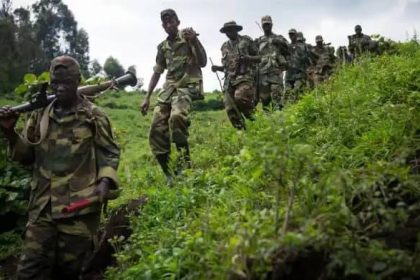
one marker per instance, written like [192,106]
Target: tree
[7,46]
[30,39]
[95,67]
[79,49]
[113,68]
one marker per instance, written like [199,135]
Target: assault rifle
[42,98]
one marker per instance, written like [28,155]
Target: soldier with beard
[239,57]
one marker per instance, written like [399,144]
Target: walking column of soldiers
[73,153]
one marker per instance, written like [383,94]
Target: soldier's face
[232,34]
[293,37]
[64,85]
[267,27]
[358,31]
[170,24]
[319,43]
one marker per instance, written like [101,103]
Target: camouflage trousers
[271,93]
[239,101]
[57,249]
[170,123]
[293,88]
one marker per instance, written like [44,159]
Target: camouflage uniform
[272,49]
[239,90]
[312,57]
[77,151]
[69,155]
[184,83]
[325,63]
[342,56]
[296,79]
[359,43]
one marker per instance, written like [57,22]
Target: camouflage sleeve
[224,55]
[21,151]
[252,46]
[106,149]
[160,65]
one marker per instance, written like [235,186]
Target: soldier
[239,56]
[273,50]
[73,154]
[343,56]
[297,74]
[312,57]
[326,59]
[182,54]
[358,43]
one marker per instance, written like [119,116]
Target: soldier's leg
[37,259]
[159,137]
[244,99]
[265,96]
[276,96]
[288,93]
[300,86]
[179,122]
[75,244]
[232,111]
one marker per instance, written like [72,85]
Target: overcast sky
[130,30]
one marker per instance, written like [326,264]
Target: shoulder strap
[43,127]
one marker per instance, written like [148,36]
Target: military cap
[318,38]
[68,63]
[292,31]
[168,13]
[357,27]
[230,25]
[266,19]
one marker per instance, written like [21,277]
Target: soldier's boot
[163,160]
[184,159]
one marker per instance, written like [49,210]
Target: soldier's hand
[145,106]
[189,34]
[8,119]
[216,68]
[102,189]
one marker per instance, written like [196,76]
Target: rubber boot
[163,160]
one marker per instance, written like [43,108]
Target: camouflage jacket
[231,51]
[178,58]
[326,57]
[358,44]
[299,61]
[78,150]
[273,49]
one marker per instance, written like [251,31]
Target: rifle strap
[43,127]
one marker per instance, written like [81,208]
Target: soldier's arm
[200,52]
[107,151]
[18,149]
[158,69]
[253,52]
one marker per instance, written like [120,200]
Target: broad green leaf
[29,78]
[44,77]
[21,89]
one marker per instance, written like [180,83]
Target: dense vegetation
[30,37]
[328,188]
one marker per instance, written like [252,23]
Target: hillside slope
[328,188]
